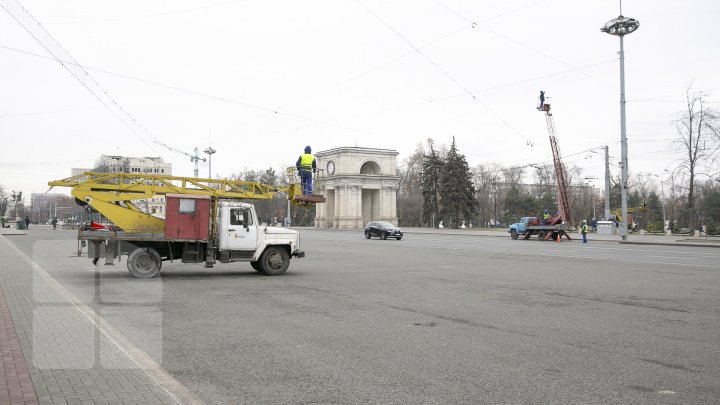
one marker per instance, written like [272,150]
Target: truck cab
[519,228]
[240,237]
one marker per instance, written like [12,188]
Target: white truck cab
[242,238]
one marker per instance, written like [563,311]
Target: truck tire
[144,263]
[256,266]
[541,235]
[275,260]
[383,235]
[367,235]
[513,234]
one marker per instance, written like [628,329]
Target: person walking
[584,230]
[27,222]
[306,166]
[54,223]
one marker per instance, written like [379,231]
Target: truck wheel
[256,266]
[367,235]
[274,260]
[383,235]
[513,234]
[541,235]
[144,263]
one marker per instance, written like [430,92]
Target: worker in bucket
[542,99]
[306,166]
[584,230]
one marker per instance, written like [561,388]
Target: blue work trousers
[584,237]
[306,181]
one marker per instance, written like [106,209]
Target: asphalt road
[428,319]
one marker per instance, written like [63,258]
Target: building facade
[138,165]
[360,185]
[126,164]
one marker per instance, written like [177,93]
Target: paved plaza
[453,316]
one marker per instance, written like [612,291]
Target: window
[187,206]
[238,216]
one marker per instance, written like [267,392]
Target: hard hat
[308,149]
[545,211]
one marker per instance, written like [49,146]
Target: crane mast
[560,175]
[193,158]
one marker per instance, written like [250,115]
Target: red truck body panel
[187,217]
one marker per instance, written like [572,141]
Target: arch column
[360,183]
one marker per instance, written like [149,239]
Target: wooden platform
[309,199]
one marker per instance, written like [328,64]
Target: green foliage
[546,201]
[711,212]
[432,170]
[458,193]
[519,204]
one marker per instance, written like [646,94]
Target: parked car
[383,230]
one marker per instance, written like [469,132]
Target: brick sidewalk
[52,353]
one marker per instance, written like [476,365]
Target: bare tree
[491,191]
[544,179]
[4,197]
[697,134]
[409,197]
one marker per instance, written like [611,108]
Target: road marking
[177,391]
[666,392]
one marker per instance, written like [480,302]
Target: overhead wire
[440,69]
[151,15]
[60,55]
[188,91]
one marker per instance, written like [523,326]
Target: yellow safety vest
[584,228]
[306,161]
[546,216]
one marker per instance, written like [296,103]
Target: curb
[670,243]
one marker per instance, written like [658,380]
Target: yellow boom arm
[111,194]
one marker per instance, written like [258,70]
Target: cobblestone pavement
[56,350]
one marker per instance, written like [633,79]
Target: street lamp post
[662,190]
[210,152]
[620,27]
[590,181]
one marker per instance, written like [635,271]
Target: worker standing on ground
[306,166]
[583,230]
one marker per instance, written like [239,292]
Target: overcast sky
[259,80]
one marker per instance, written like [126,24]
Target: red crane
[560,175]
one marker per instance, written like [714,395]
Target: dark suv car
[383,230]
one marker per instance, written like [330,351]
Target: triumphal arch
[359,184]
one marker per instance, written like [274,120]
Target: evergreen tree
[458,203]
[432,168]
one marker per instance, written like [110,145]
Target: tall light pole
[607,182]
[662,190]
[620,27]
[210,152]
[589,180]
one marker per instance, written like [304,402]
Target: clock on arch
[331,167]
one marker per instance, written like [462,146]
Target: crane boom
[193,158]
[112,194]
[560,174]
